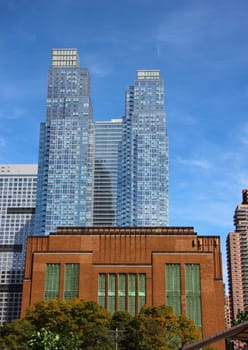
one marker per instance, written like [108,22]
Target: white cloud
[199,163]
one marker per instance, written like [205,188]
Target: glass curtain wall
[64,190]
[143,172]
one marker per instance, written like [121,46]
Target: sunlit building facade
[241,224]
[234,274]
[143,169]
[64,192]
[237,258]
[17,208]
[107,139]
[124,268]
[109,174]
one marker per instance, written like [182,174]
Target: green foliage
[120,320]
[80,324]
[189,333]
[74,315]
[86,318]
[242,316]
[14,335]
[48,340]
[159,328]
[119,325]
[44,340]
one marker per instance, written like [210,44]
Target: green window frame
[102,289]
[71,281]
[193,293]
[173,287]
[132,293]
[122,292]
[112,292]
[52,278]
[141,290]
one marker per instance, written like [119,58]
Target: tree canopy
[80,324]
[159,328]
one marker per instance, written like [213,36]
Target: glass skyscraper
[106,144]
[17,208]
[64,189]
[143,168]
[106,173]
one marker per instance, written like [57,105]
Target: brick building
[125,268]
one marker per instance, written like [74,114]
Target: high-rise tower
[106,145]
[65,162]
[237,261]
[17,208]
[143,176]
[234,273]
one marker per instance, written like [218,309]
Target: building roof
[153,230]
[239,332]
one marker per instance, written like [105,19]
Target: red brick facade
[130,251]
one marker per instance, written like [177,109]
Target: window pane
[172,287]
[52,281]
[131,293]
[122,292]
[142,289]
[193,293]
[71,281]
[102,289]
[111,292]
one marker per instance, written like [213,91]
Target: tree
[189,333]
[48,340]
[120,320]
[72,315]
[14,335]
[119,324]
[159,328]
[242,316]
[85,318]
[80,324]
[44,340]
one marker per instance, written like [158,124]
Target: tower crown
[65,58]
[148,74]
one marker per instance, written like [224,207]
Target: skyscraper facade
[107,138]
[64,192]
[236,299]
[17,208]
[78,183]
[143,169]
[237,257]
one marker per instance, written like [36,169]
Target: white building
[17,208]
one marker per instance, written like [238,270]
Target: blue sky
[201,48]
